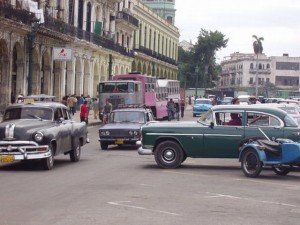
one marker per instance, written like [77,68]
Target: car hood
[119,126]
[23,129]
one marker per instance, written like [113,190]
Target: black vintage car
[124,126]
[40,130]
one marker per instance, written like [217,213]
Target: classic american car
[40,130]
[124,126]
[201,105]
[213,135]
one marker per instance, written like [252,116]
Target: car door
[259,123]
[222,140]
[66,131]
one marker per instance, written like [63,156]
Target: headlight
[38,137]
[130,133]
[136,132]
[105,133]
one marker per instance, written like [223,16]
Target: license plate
[7,158]
[119,142]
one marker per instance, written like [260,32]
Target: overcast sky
[277,21]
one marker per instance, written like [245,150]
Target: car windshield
[206,118]
[202,101]
[28,113]
[127,116]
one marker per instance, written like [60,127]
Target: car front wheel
[48,163]
[168,155]
[251,164]
[76,152]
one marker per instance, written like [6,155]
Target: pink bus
[155,92]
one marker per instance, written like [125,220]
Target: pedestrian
[81,100]
[106,111]
[20,98]
[95,106]
[182,107]
[84,112]
[71,102]
[235,101]
[64,100]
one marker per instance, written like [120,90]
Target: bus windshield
[117,87]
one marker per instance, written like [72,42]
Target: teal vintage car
[215,134]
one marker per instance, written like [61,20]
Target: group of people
[173,107]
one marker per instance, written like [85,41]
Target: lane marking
[217,195]
[122,203]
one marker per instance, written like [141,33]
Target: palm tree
[257,45]
[258,48]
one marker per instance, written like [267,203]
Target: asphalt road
[118,186]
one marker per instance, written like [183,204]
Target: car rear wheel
[251,164]
[76,152]
[281,170]
[168,155]
[104,146]
[47,163]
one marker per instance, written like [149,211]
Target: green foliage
[257,45]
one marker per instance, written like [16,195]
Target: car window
[127,116]
[208,102]
[233,118]
[260,119]
[28,113]
[66,114]
[290,122]
[206,118]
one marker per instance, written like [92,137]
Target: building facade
[100,34]
[239,72]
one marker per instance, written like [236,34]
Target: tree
[209,42]
[258,49]
[257,45]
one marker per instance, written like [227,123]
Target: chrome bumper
[144,151]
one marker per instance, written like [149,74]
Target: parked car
[124,126]
[40,130]
[211,136]
[292,109]
[244,99]
[226,101]
[201,105]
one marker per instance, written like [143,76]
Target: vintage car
[124,126]
[201,105]
[40,130]
[214,135]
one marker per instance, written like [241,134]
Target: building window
[251,66]
[251,80]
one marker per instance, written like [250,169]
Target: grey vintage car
[40,131]
[124,126]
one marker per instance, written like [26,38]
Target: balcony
[66,29]
[260,71]
[125,19]
[18,15]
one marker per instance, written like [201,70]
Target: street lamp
[196,72]
[30,37]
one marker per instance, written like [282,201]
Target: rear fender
[261,154]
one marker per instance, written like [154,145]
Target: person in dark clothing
[182,107]
[235,120]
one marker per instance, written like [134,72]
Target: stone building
[239,72]
[103,38]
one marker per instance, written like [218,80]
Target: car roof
[38,104]
[132,110]
[255,107]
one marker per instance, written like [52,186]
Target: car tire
[76,152]
[251,164]
[168,155]
[104,146]
[47,163]
[281,170]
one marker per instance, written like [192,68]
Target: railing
[128,18]
[156,55]
[18,15]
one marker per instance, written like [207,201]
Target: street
[118,186]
